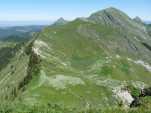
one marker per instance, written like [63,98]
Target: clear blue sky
[36,10]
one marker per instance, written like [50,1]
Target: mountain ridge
[95,63]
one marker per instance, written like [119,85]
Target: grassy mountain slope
[84,64]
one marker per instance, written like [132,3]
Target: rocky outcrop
[137,100]
[33,66]
[135,103]
[145,92]
[147,46]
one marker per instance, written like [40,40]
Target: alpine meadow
[95,64]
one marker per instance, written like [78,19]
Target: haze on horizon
[45,11]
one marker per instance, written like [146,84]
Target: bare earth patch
[60,81]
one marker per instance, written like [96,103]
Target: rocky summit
[97,64]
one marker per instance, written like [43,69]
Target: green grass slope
[81,65]
[83,62]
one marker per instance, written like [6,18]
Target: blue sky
[44,10]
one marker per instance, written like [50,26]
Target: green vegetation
[83,66]
[7,108]
[135,92]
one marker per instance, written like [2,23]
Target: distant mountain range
[18,33]
[23,23]
[147,22]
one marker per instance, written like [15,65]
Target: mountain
[138,20]
[96,64]
[11,38]
[60,21]
[18,30]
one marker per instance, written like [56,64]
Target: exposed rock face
[147,46]
[136,102]
[124,96]
[110,16]
[145,92]
[33,68]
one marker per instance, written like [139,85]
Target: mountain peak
[108,10]
[138,20]
[112,9]
[112,17]
[60,21]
